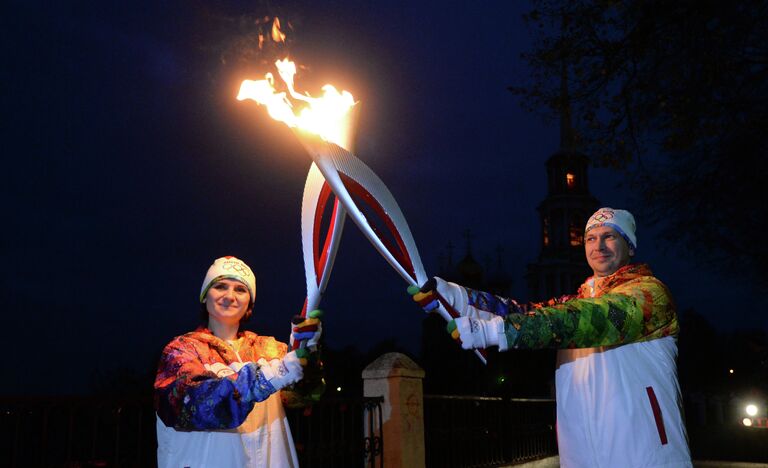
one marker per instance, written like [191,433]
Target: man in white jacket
[218,389]
[618,398]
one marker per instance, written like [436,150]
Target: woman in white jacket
[218,389]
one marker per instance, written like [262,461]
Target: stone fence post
[399,380]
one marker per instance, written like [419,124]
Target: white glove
[480,333]
[455,295]
[426,296]
[281,372]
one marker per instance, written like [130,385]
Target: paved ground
[711,446]
[725,464]
[554,462]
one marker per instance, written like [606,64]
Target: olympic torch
[322,127]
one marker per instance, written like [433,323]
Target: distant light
[730,371]
[747,422]
[338,389]
[751,410]
[501,379]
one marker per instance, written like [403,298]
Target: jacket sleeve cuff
[501,334]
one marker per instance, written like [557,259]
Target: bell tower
[561,266]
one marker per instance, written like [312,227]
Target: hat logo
[603,216]
[238,267]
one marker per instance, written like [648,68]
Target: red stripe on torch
[321,258]
[401,253]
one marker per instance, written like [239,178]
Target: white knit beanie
[229,268]
[620,220]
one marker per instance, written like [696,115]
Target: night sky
[130,166]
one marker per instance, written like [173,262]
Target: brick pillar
[399,380]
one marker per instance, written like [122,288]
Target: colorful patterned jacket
[629,306]
[202,383]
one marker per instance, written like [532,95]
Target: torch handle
[300,343]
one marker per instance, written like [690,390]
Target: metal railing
[76,432]
[338,433]
[466,431]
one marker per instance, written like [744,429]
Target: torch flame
[277,35]
[327,116]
